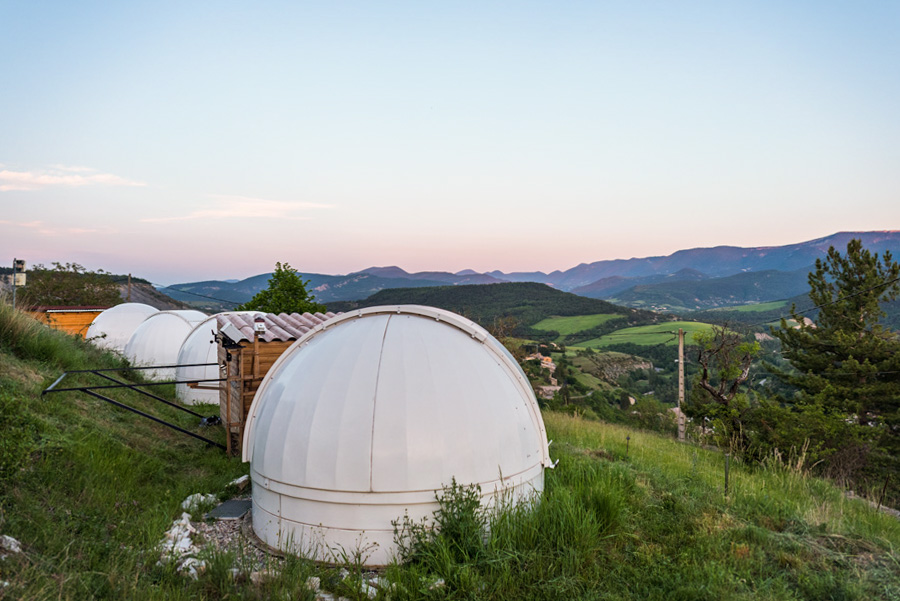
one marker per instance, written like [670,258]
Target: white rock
[9,546]
[261,576]
[177,540]
[241,483]
[313,583]
[370,591]
[194,501]
[192,567]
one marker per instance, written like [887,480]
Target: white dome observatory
[111,329]
[370,414]
[158,339]
[200,347]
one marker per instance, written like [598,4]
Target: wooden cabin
[245,357]
[71,320]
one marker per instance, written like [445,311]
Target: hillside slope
[528,302]
[625,514]
[742,288]
[218,295]
[147,294]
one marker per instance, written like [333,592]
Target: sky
[185,141]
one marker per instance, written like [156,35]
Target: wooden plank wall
[244,378]
[74,322]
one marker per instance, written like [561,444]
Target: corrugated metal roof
[281,327]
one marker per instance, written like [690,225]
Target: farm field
[571,325]
[648,335]
[756,307]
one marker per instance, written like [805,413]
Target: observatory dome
[200,347]
[158,339]
[373,412]
[111,329]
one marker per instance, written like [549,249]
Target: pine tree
[846,365]
[845,359]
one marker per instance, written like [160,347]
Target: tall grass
[24,337]
[653,522]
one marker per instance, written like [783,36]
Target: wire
[221,300]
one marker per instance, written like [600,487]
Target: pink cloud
[243,207]
[49,230]
[60,176]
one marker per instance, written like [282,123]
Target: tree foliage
[69,284]
[846,360]
[286,294]
[724,358]
[846,364]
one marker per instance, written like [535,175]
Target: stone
[240,483]
[192,567]
[261,576]
[195,501]
[9,546]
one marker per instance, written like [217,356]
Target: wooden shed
[246,356]
[71,320]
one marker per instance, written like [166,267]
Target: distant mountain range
[693,279]
[718,261]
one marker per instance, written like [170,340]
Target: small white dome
[200,347]
[370,414]
[158,339]
[111,329]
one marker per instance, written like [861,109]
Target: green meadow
[649,335]
[574,324]
[756,308]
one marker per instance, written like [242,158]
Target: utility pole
[129,288]
[18,267]
[681,424]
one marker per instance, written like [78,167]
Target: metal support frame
[91,391]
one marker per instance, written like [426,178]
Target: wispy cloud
[243,207]
[44,229]
[60,176]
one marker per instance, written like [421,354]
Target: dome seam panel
[375,401]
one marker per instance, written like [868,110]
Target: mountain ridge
[589,279]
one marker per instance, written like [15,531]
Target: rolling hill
[224,295]
[608,287]
[739,289]
[528,302]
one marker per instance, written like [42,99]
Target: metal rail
[91,391]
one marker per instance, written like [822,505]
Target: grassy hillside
[89,490]
[780,305]
[648,335]
[86,487]
[528,303]
[567,326]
